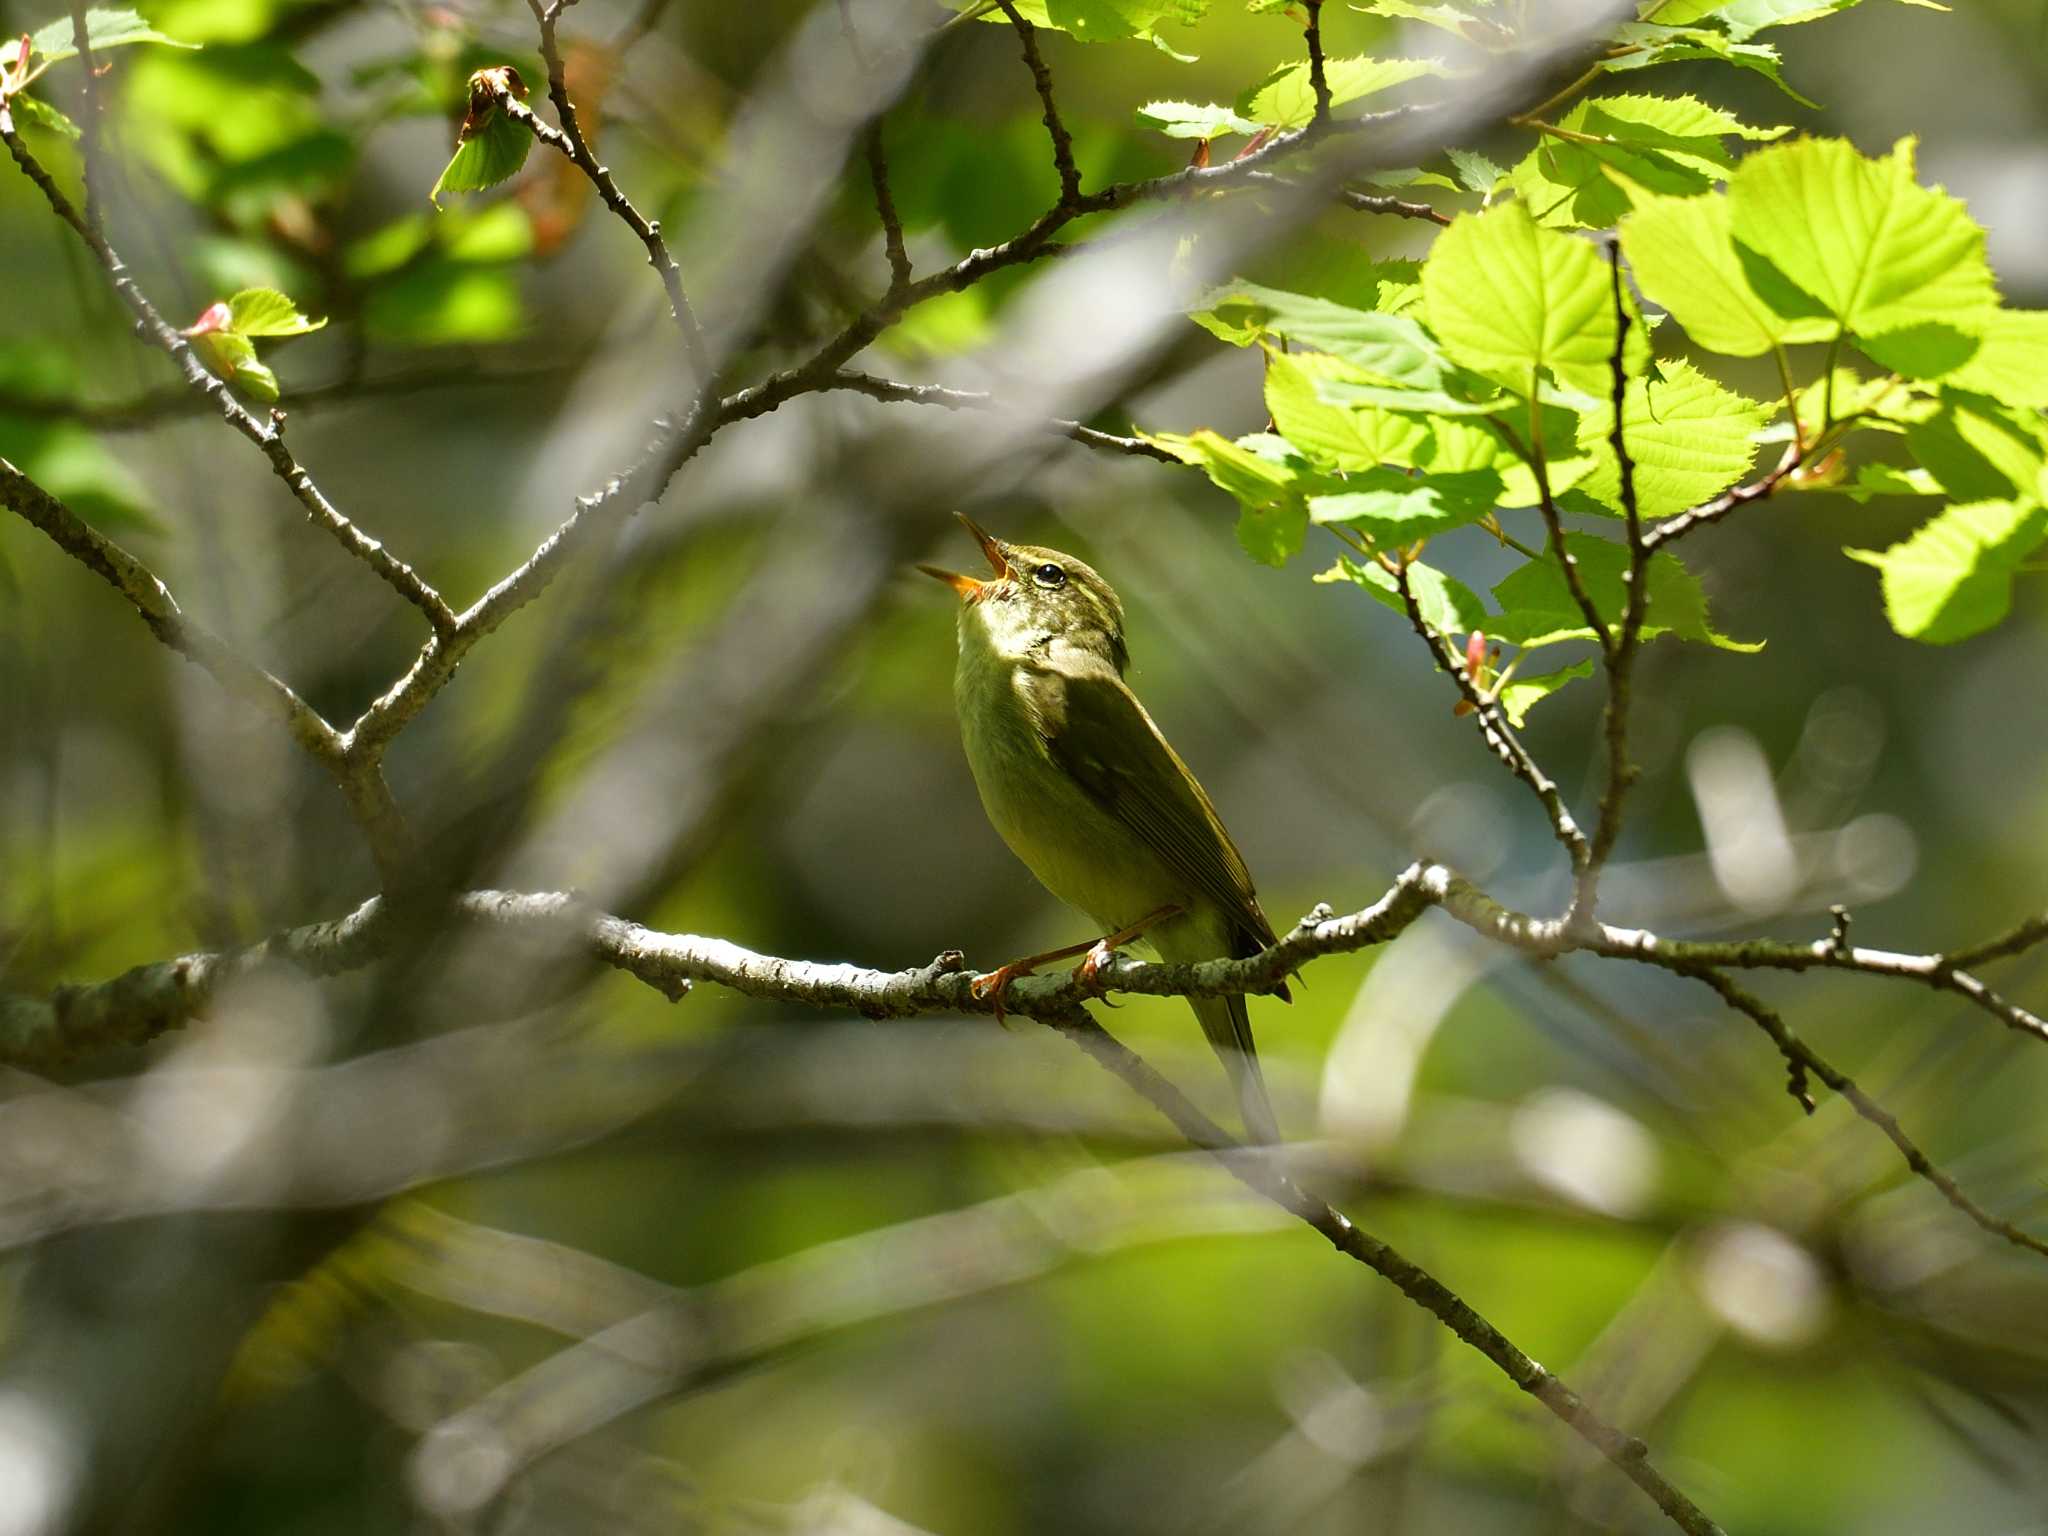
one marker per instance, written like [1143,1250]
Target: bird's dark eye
[1049,575]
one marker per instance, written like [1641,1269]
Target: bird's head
[1035,596]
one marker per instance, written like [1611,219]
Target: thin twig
[1041,77]
[569,140]
[1674,528]
[1318,80]
[88,119]
[1494,728]
[885,210]
[1370,202]
[1634,603]
[268,436]
[1801,1059]
[1574,579]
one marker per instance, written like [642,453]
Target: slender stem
[1318,80]
[1056,130]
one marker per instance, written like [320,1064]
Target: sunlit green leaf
[1521,694]
[1396,507]
[1336,437]
[1511,300]
[1194,120]
[1688,438]
[1286,97]
[35,113]
[1392,348]
[266,312]
[1537,606]
[2011,360]
[1660,145]
[1683,258]
[103,29]
[1446,604]
[1953,577]
[1824,232]
[1979,449]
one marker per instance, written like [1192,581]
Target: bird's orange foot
[993,987]
[1088,974]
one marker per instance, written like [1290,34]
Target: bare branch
[1041,77]
[570,142]
[268,436]
[1802,1059]
[88,119]
[1673,528]
[2015,940]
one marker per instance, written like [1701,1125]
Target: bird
[1086,791]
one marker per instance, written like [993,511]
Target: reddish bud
[1475,654]
[215,317]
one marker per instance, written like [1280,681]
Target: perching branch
[268,436]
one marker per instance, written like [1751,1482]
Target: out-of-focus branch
[160,611]
[268,436]
[155,407]
[569,141]
[975,400]
[361,782]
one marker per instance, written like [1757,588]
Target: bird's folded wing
[1095,729]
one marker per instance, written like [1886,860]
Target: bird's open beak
[967,586]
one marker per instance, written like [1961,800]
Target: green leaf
[1640,45]
[1398,508]
[1447,605]
[103,29]
[2011,361]
[1744,18]
[1660,145]
[1094,21]
[256,381]
[1392,348]
[1336,437]
[1265,476]
[1522,694]
[1511,300]
[34,113]
[1689,439]
[1537,607]
[1979,449]
[1825,232]
[1874,480]
[493,148]
[1478,173]
[1286,97]
[1271,535]
[1953,577]
[266,312]
[1684,260]
[1194,120]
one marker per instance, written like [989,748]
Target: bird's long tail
[1228,1024]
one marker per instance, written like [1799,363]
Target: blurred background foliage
[368,1254]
